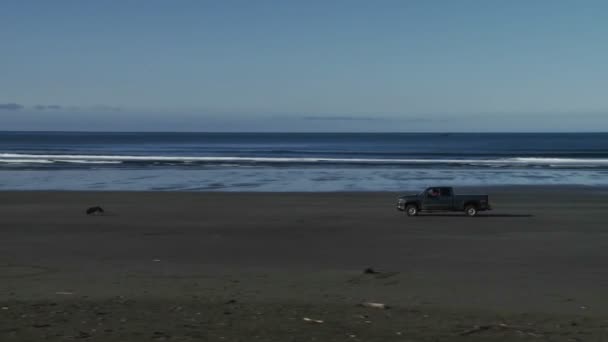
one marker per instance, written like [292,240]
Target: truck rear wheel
[470,210]
[411,210]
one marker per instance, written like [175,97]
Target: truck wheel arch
[471,203]
[416,204]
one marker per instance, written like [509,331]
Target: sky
[344,65]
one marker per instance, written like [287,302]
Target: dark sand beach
[251,266]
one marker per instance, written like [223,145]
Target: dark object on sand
[370,270]
[95,210]
[443,199]
[475,329]
[520,330]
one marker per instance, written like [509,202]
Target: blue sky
[304,65]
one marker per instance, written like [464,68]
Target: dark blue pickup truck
[443,199]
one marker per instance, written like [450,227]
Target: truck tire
[470,210]
[411,210]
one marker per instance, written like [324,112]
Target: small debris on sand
[83,334]
[375,305]
[310,320]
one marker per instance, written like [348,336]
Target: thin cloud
[343,118]
[410,119]
[56,107]
[48,107]
[10,106]
[105,108]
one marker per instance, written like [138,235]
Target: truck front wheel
[470,210]
[411,210]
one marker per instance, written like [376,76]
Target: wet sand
[251,266]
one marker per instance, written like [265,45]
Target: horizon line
[311,132]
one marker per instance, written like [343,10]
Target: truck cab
[436,199]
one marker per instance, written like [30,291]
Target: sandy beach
[254,266]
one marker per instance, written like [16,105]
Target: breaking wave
[17,158]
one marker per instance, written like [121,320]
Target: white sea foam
[283,179]
[25,161]
[92,159]
[80,161]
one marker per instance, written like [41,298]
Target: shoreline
[493,187]
[289,180]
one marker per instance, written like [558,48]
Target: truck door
[446,199]
[432,199]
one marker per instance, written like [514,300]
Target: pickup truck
[442,199]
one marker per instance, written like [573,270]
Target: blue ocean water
[296,161]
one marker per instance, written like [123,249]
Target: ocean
[297,161]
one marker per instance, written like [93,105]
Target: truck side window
[446,192]
[433,192]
